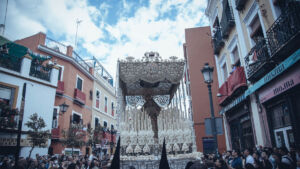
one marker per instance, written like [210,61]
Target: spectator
[237,161]
[257,162]
[266,164]
[286,159]
[248,156]
[198,165]
[220,164]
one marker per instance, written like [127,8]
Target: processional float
[153,105]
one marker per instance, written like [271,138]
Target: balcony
[113,137]
[223,90]
[17,60]
[60,88]
[11,56]
[236,83]
[55,133]
[284,35]
[218,41]
[257,61]
[79,97]
[240,4]
[40,70]
[227,21]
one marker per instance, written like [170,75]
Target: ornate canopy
[150,75]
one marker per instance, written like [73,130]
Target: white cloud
[59,17]
[144,26]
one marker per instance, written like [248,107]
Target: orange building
[75,85]
[197,51]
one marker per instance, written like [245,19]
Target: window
[280,116]
[98,94]
[91,94]
[79,83]
[60,72]
[7,95]
[76,119]
[112,109]
[55,117]
[256,32]
[97,121]
[104,124]
[97,99]
[235,57]
[105,106]
[112,127]
[216,27]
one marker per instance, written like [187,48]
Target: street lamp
[207,72]
[63,107]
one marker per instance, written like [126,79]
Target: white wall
[39,98]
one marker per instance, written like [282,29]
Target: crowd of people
[92,161]
[256,158]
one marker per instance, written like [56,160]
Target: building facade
[76,87]
[256,50]
[104,106]
[28,83]
[197,52]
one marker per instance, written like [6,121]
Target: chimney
[41,38]
[91,70]
[69,51]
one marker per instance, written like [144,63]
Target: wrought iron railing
[10,62]
[57,46]
[257,57]
[38,70]
[80,61]
[240,4]
[285,29]
[218,41]
[227,21]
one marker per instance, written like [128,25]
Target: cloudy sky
[110,29]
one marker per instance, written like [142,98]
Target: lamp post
[63,107]
[207,72]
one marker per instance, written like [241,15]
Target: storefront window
[281,117]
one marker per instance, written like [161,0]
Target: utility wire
[5,17]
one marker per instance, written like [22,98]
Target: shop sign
[281,85]
[294,58]
[13,142]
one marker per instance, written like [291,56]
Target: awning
[294,58]
[18,51]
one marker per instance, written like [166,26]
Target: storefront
[281,100]
[240,126]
